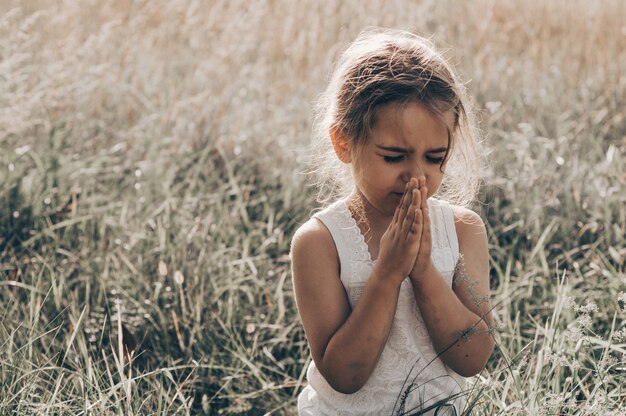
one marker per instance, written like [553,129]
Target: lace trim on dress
[358,265]
[361,251]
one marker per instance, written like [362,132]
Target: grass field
[151,158]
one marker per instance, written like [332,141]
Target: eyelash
[398,159]
[435,160]
[393,159]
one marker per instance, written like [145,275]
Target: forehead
[411,125]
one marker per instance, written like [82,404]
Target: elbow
[345,387]
[342,383]
[472,364]
[467,370]
[469,367]
[345,377]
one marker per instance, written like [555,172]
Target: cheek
[433,181]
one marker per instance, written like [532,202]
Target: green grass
[165,287]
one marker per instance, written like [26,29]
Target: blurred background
[151,178]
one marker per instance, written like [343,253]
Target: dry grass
[185,126]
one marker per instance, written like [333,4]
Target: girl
[392,285]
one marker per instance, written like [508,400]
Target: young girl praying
[392,279]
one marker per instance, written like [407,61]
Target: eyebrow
[404,150]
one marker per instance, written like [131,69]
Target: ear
[340,144]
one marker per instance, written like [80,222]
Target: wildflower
[574,333]
[588,308]
[620,335]
[557,359]
[569,303]
[584,321]
[460,276]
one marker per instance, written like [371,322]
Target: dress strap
[448,220]
[445,245]
[334,222]
[349,241]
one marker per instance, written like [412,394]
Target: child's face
[407,141]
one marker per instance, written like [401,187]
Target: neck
[366,215]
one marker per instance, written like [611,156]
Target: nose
[413,170]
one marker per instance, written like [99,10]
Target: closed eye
[394,159]
[435,160]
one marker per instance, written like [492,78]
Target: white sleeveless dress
[408,365]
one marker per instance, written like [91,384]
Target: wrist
[387,275]
[421,281]
[418,274]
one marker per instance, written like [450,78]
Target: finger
[400,207]
[410,213]
[408,194]
[417,227]
[417,198]
[426,237]
[396,214]
[407,224]
[424,191]
[403,210]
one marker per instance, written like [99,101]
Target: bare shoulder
[470,228]
[466,216]
[312,238]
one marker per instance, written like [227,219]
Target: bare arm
[458,318]
[460,334]
[346,344]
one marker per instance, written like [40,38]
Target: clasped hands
[405,247]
